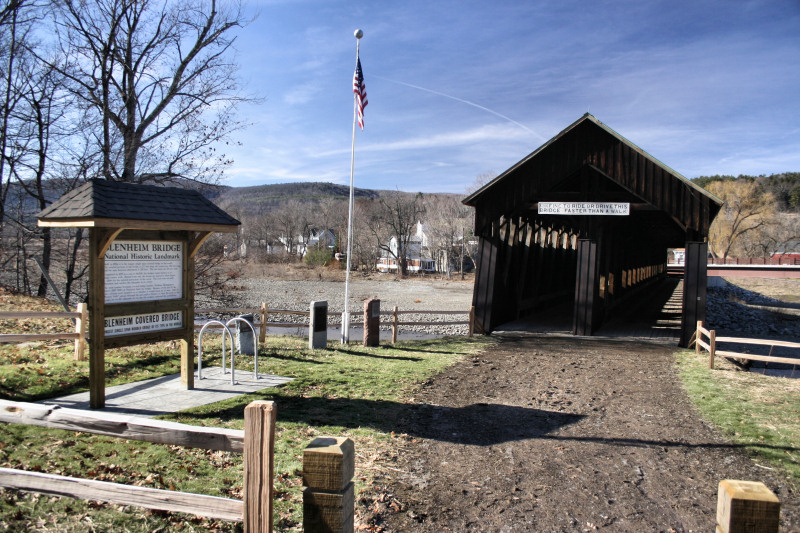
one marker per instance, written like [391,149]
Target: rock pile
[743,312]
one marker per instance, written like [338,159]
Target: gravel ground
[407,295]
[757,307]
[745,307]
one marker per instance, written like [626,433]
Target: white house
[316,239]
[417,255]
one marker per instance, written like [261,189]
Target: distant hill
[262,198]
[784,186]
[268,197]
[257,199]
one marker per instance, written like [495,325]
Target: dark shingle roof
[104,199]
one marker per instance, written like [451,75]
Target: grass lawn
[345,390]
[762,413]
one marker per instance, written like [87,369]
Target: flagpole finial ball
[359,34]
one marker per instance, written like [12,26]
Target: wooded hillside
[761,215]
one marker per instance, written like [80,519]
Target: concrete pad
[164,395]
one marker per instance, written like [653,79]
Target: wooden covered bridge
[587,218]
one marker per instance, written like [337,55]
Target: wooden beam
[122,426]
[106,237]
[584,315]
[197,241]
[694,290]
[97,296]
[126,224]
[39,314]
[149,498]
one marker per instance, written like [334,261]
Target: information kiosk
[142,243]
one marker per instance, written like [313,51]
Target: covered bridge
[587,218]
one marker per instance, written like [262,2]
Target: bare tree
[395,218]
[158,80]
[365,253]
[332,215]
[288,223]
[747,209]
[16,21]
[447,223]
[40,113]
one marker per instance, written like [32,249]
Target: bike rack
[255,344]
[200,348]
[227,330]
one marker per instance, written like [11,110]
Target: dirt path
[552,434]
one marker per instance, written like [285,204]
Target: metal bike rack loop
[255,343]
[200,348]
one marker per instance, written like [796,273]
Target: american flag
[361,92]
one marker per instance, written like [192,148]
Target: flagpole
[346,314]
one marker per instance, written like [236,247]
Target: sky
[462,90]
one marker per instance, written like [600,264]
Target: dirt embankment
[539,434]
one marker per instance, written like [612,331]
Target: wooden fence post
[80,329]
[471,327]
[395,319]
[712,347]
[745,506]
[329,496]
[698,337]
[262,331]
[259,449]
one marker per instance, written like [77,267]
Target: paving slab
[164,395]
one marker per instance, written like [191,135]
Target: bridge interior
[652,315]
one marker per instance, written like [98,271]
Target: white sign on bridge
[584,208]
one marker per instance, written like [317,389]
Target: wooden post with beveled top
[259,466]
[747,506]
[329,496]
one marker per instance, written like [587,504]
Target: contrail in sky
[457,99]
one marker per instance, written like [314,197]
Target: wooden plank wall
[694,290]
[528,265]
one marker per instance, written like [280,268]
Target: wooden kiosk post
[142,244]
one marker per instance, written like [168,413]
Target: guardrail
[256,443]
[711,347]
[395,323]
[80,316]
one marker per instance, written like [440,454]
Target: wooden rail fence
[710,345]
[395,323]
[262,323]
[256,443]
[80,316]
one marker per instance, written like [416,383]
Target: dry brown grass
[11,301]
